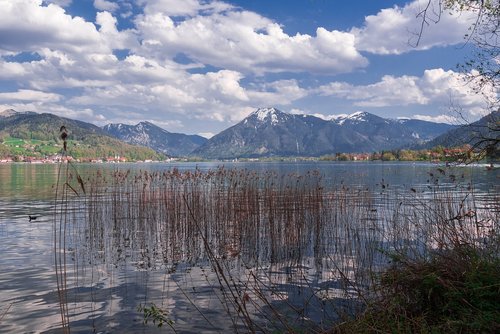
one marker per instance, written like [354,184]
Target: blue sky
[198,67]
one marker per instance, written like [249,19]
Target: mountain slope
[425,130]
[474,134]
[381,132]
[86,140]
[12,112]
[390,133]
[270,132]
[156,138]
[45,126]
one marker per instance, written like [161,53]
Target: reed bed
[279,252]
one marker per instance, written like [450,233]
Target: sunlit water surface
[106,285]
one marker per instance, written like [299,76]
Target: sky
[201,66]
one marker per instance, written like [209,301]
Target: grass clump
[156,315]
[452,291]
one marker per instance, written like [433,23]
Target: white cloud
[26,25]
[11,70]
[389,91]
[297,111]
[214,95]
[247,42]
[223,85]
[448,86]
[166,124]
[395,30]
[57,37]
[435,86]
[174,96]
[329,117]
[281,92]
[438,119]
[184,7]
[142,69]
[106,5]
[29,95]
[207,135]
[110,36]
[86,114]
[132,73]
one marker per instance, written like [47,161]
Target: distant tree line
[439,153]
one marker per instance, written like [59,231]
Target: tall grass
[64,210]
[279,252]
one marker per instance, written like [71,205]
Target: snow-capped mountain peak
[272,115]
[263,113]
[356,117]
[271,132]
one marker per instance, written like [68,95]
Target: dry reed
[286,251]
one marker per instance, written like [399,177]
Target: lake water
[110,271]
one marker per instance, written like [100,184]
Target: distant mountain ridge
[44,126]
[487,128]
[425,130]
[87,140]
[412,129]
[271,132]
[266,132]
[12,112]
[156,138]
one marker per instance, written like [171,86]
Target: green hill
[37,135]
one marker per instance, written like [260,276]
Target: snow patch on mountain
[264,113]
[356,117]
[271,132]
[328,117]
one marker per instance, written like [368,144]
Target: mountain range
[271,132]
[152,136]
[266,132]
[86,140]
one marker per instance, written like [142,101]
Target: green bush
[456,291]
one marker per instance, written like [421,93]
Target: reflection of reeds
[61,202]
[285,249]
[6,311]
[62,216]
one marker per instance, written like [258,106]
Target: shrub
[454,291]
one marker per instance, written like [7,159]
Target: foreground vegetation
[292,253]
[452,291]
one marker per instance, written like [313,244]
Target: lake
[217,246]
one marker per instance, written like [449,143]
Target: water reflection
[138,240]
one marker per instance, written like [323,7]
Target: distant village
[54,159]
[436,154]
[57,158]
